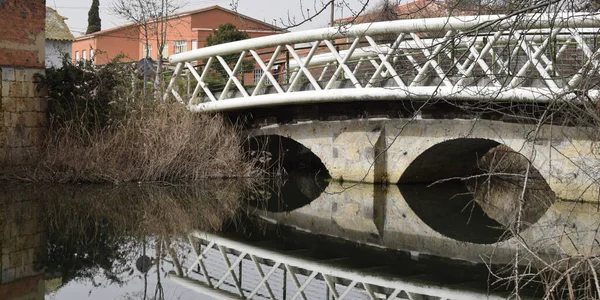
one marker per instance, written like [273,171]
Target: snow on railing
[531,57]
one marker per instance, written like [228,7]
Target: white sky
[265,10]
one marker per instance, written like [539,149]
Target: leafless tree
[151,19]
[311,9]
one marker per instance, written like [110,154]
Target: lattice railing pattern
[527,58]
[227,268]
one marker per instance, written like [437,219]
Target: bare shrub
[164,142]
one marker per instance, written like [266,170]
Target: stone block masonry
[22,245]
[22,115]
[22,105]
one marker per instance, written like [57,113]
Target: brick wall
[22,106]
[22,36]
[22,245]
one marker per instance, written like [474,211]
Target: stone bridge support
[426,150]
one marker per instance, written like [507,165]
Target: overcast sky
[264,10]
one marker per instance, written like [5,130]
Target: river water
[125,242]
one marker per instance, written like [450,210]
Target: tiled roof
[56,29]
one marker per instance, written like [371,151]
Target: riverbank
[159,143]
[105,125]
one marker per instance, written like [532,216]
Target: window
[165,51]
[77,58]
[180,46]
[148,53]
[194,44]
[84,56]
[92,55]
[258,73]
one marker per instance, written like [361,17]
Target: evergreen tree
[94,22]
[227,33]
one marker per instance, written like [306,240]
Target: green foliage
[227,33]
[82,94]
[94,21]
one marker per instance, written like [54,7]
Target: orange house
[185,31]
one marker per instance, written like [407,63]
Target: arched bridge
[526,58]
[421,100]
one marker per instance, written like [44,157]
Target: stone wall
[23,116]
[22,106]
[22,245]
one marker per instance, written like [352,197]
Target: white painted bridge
[530,57]
[224,268]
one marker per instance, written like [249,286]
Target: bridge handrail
[370,52]
[546,57]
[581,20]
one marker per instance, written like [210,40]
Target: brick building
[22,55]
[185,31]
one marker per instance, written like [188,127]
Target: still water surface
[120,242]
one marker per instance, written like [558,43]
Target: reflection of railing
[227,268]
[525,58]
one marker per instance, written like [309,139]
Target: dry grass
[164,143]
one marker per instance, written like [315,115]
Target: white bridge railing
[229,269]
[531,57]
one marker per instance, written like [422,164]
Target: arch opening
[296,176]
[471,190]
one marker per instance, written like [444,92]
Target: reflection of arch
[469,189]
[278,153]
[289,193]
[447,208]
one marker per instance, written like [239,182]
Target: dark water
[121,242]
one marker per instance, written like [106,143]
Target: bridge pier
[426,150]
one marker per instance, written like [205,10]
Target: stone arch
[448,159]
[469,189]
[298,175]
[284,153]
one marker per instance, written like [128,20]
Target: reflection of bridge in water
[432,226]
[226,268]
[438,223]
